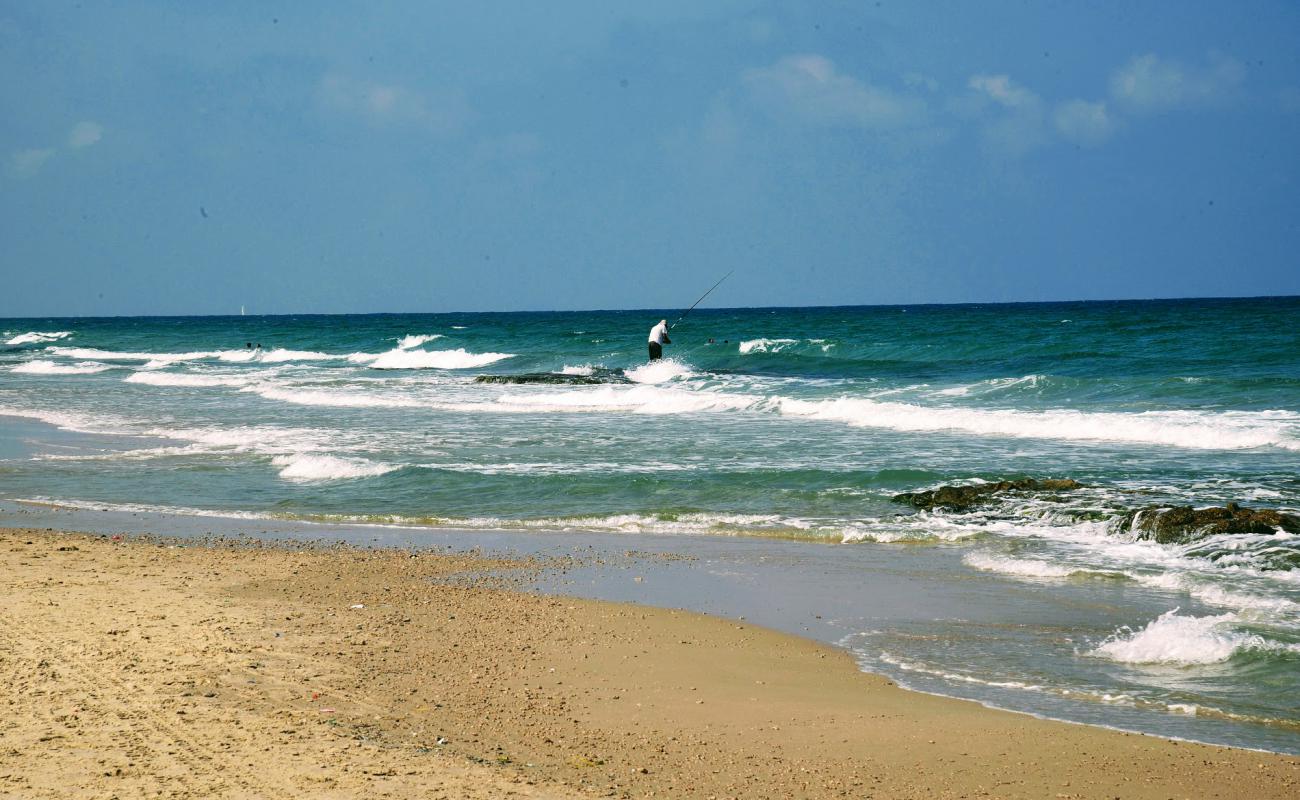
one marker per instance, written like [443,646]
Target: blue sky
[177,159]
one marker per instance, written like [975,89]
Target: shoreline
[534,694]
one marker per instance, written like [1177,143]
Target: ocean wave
[1172,639]
[42,367]
[1020,567]
[185,379]
[114,355]
[584,369]
[1216,595]
[334,399]
[316,467]
[279,354]
[414,340]
[237,356]
[916,528]
[427,359]
[645,399]
[37,337]
[659,371]
[1227,430]
[764,345]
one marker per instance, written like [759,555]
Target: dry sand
[143,669]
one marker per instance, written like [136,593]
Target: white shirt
[659,333]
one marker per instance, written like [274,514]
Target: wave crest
[36,337]
[427,359]
[307,468]
[1176,640]
[41,367]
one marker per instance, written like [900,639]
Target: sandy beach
[152,668]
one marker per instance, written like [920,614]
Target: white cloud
[809,89]
[1084,123]
[84,134]
[1151,84]
[1015,124]
[1003,90]
[391,104]
[26,163]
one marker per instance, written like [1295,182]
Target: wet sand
[142,668]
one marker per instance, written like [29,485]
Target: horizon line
[651,310]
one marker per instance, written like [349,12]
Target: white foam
[184,379]
[407,342]
[314,467]
[659,371]
[328,398]
[427,359]
[1216,595]
[765,345]
[238,356]
[1179,640]
[585,369]
[1229,430]
[634,399]
[280,354]
[64,420]
[41,367]
[33,337]
[114,355]
[1020,567]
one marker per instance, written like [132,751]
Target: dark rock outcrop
[962,498]
[557,378]
[1182,524]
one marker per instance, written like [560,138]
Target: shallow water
[798,424]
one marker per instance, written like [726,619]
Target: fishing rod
[701,300]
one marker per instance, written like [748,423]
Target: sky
[193,158]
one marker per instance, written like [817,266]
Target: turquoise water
[790,423]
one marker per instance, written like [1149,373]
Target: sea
[768,445]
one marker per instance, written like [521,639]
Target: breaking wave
[335,399]
[37,337]
[413,340]
[245,355]
[659,371]
[314,467]
[427,359]
[41,367]
[1228,430]
[1185,641]
[778,345]
[184,379]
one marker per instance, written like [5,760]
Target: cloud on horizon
[391,104]
[84,134]
[1149,84]
[1084,123]
[1014,125]
[807,88]
[26,163]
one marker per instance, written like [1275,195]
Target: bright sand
[139,669]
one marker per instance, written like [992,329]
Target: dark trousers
[656,351]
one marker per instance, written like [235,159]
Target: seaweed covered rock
[1182,524]
[961,498]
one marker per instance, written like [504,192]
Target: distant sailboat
[241,311]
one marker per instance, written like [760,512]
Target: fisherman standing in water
[659,338]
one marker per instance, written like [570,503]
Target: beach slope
[141,668]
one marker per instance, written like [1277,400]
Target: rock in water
[961,498]
[1183,524]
